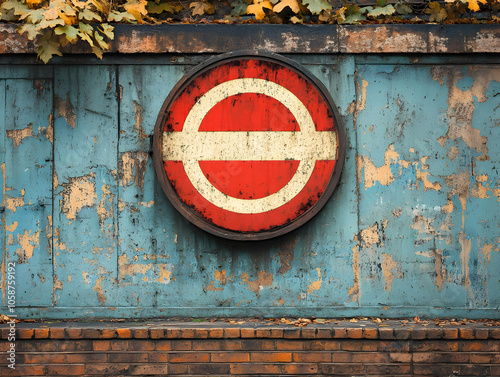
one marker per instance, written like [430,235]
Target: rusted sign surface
[248,146]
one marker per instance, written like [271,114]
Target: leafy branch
[54,24]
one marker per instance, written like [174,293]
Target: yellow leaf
[202,7]
[474,6]
[257,8]
[33,3]
[293,4]
[137,8]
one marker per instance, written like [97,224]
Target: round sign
[248,146]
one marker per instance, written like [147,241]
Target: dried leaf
[239,7]
[136,8]
[257,8]
[292,4]
[316,6]
[382,11]
[201,7]
[47,47]
[70,32]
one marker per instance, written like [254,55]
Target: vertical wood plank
[85,196]
[28,184]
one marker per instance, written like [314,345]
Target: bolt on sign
[249,146]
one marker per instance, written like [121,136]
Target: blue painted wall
[412,229]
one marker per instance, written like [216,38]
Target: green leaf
[20,9]
[47,47]
[35,16]
[316,6]
[239,7]
[121,17]
[154,8]
[381,3]
[70,32]
[382,11]
[354,19]
[30,29]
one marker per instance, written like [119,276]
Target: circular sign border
[184,209]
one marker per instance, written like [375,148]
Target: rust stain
[286,256]
[354,291]
[164,273]
[28,243]
[486,253]
[79,192]
[315,285]
[65,109]
[279,302]
[221,278]
[439,266]
[459,185]
[130,162]
[373,174]
[422,174]
[212,287]
[388,266]
[360,103]
[13,203]
[18,136]
[264,279]
[138,123]
[100,293]
[369,236]
[49,131]
[461,105]
[105,207]
[464,258]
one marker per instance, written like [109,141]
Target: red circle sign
[248,146]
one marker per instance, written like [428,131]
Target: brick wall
[177,348]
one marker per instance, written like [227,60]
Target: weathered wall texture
[412,228]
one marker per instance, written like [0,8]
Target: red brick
[402,334]
[299,369]
[198,357]
[75,345]
[200,334]
[418,334]
[247,333]
[119,345]
[392,346]
[435,369]
[25,333]
[124,333]
[178,369]
[231,345]
[25,370]
[129,357]
[312,357]
[45,358]
[359,345]
[91,333]
[485,358]
[108,369]
[450,333]
[322,345]
[466,333]
[339,333]
[259,345]
[182,345]
[400,357]
[163,345]
[481,346]
[141,345]
[57,333]
[216,333]
[107,334]
[202,345]
[342,357]
[308,333]
[482,334]
[74,333]
[276,333]
[356,333]
[141,333]
[156,333]
[495,333]
[370,333]
[210,369]
[386,333]
[37,346]
[86,358]
[495,370]
[149,369]
[187,333]
[253,368]
[432,333]
[262,333]
[271,357]
[230,357]
[158,357]
[291,333]
[388,369]
[101,345]
[41,333]
[434,345]
[475,370]
[370,357]
[172,333]
[66,369]
[324,334]
[348,369]
[286,345]
[231,333]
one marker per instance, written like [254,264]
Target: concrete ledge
[320,39]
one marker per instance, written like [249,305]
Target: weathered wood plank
[28,184]
[85,196]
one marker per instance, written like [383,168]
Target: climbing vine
[53,24]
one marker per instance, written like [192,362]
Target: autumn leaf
[292,4]
[316,6]
[239,7]
[47,47]
[382,11]
[257,8]
[70,32]
[107,30]
[34,3]
[137,8]
[155,8]
[19,8]
[29,29]
[120,17]
[102,6]
[87,14]
[438,14]
[474,6]
[201,7]
[296,20]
